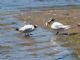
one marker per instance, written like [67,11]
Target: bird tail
[66,27]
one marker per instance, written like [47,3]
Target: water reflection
[62,52]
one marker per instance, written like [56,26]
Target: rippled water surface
[41,45]
[14,5]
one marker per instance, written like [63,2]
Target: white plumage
[57,25]
[27,29]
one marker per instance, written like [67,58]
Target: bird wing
[66,27]
[27,27]
[56,25]
[62,26]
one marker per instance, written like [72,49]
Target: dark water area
[41,45]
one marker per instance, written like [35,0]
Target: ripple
[40,45]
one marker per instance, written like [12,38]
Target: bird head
[35,26]
[17,29]
[50,22]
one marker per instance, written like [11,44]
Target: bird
[56,25]
[27,29]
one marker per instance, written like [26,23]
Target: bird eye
[52,19]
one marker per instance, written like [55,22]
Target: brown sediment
[70,17]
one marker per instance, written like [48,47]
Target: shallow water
[41,45]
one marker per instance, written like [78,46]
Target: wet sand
[68,16]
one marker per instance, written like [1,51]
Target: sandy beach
[69,16]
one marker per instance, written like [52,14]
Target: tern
[57,25]
[27,29]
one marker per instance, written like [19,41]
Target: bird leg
[27,34]
[57,32]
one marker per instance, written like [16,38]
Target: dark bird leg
[57,32]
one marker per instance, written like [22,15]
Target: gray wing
[29,30]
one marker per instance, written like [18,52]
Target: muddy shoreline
[65,16]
